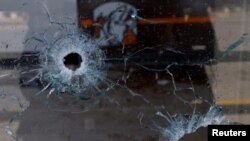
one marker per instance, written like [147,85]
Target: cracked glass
[137,70]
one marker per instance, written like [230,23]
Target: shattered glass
[122,70]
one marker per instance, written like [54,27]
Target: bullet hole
[73,61]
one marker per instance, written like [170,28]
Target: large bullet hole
[73,61]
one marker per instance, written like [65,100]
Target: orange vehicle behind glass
[151,31]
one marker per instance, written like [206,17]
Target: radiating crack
[181,125]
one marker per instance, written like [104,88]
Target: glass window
[121,70]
